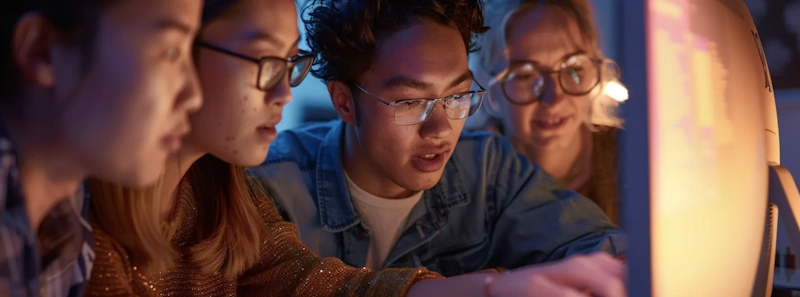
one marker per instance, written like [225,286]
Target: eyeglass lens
[456,107]
[577,75]
[273,70]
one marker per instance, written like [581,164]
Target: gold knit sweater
[286,268]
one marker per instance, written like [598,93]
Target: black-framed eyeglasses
[524,82]
[415,111]
[272,69]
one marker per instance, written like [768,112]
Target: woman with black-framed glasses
[553,93]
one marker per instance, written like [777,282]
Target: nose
[552,93]
[190,98]
[437,126]
[281,94]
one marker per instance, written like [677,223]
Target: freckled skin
[227,128]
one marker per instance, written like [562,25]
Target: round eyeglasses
[272,69]
[524,82]
[414,111]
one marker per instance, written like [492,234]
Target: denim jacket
[491,208]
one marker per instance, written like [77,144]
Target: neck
[571,165]
[48,171]
[364,173]
[177,166]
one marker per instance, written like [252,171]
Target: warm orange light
[616,91]
[708,167]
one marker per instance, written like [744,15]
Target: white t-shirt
[384,218]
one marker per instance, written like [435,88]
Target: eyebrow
[562,58]
[466,76]
[577,52]
[407,82]
[268,38]
[166,24]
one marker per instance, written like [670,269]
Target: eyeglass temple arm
[373,96]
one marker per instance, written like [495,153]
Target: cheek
[518,118]
[583,106]
[125,96]
[226,76]
[216,122]
[386,142]
[458,127]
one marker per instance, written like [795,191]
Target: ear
[31,47]
[342,100]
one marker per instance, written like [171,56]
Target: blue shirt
[491,208]
[54,262]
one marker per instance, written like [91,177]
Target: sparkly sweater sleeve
[288,268]
[111,272]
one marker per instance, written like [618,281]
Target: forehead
[146,12]
[426,51]
[543,34]
[273,21]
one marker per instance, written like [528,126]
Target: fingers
[599,273]
[541,286]
[488,270]
[609,264]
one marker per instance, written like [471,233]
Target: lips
[430,160]
[272,121]
[428,156]
[174,140]
[267,133]
[551,123]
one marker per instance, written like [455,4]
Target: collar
[336,209]
[12,201]
[10,194]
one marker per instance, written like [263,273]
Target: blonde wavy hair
[499,14]
[229,227]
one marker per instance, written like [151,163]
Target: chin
[247,160]
[553,141]
[242,154]
[135,178]
[423,181]
[137,170]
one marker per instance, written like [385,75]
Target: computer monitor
[701,135]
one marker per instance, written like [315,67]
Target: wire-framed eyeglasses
[415,111]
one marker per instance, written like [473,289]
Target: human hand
[597,275]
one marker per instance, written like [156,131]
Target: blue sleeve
[536,219]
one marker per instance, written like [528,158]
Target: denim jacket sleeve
[535,218]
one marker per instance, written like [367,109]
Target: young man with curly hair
[395,182]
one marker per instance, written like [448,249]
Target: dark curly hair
[345,34]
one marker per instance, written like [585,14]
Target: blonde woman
[553,92]
[204,231]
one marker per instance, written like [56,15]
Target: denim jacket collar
[336,209]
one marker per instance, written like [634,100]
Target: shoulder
[480,144]
[108,250]
[299,144]
[263,201]
[112,271]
